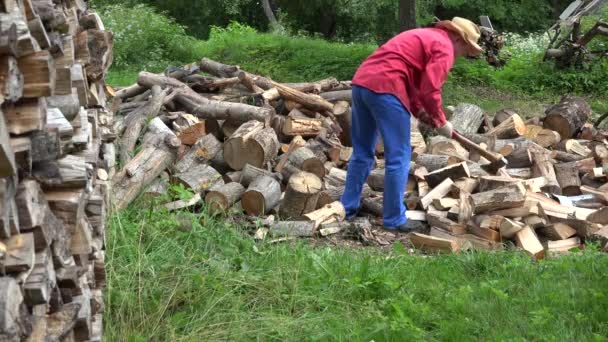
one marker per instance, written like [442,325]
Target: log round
[251,144]
[568,116]
[301,195]
[262,195]
[305,160]
[221,198]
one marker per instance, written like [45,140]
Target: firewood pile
[243,143]
[55,154]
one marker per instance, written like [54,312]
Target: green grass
[213,282]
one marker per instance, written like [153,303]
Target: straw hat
[467,30]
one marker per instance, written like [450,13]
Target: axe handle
[469,145]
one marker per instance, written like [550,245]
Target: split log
[301,195]
[220,198]
[454,172]
[38,74]
[511,196]
[431,244]
[251,144]
[487,183]
[190,135]
[528,241]
[544,137]
[333,212]
[13,314]
[303,127]
[503,115]
[542,167]
[198,178]
[67,172]
[446,224]
[557,231]
[513,127]
[146,166]
[26,115]
[20,253]
[568,116]
[136,121]
[567,175]
[467,118]
[438,192]
[562,246]
[11,79]
[8,166]
[293,229]
[467,185]
[440,145]
[262,195]
[573,146]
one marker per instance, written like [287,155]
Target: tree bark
[204,150]
[511,196]
[303,159]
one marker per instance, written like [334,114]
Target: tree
[270,14]
[407,15]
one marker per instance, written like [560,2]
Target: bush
[146,39]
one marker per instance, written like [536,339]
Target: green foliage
[146,39]
[186,277]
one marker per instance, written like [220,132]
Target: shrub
[146,39]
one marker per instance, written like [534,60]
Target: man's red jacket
[413,67]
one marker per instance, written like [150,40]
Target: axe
[496,161]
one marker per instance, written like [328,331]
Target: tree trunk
[220,198]
[301,195]
[568,116]
[407,14]
[262,195]
[251,144]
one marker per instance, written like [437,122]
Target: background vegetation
[185,277]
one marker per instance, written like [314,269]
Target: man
[403,76]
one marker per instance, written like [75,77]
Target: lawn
[171,279]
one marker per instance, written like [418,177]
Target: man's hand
[447,130]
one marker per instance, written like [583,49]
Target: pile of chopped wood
[243,142]
[53,127]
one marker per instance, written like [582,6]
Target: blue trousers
[383,113]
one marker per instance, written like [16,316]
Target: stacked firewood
[53,127]
[243,143]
